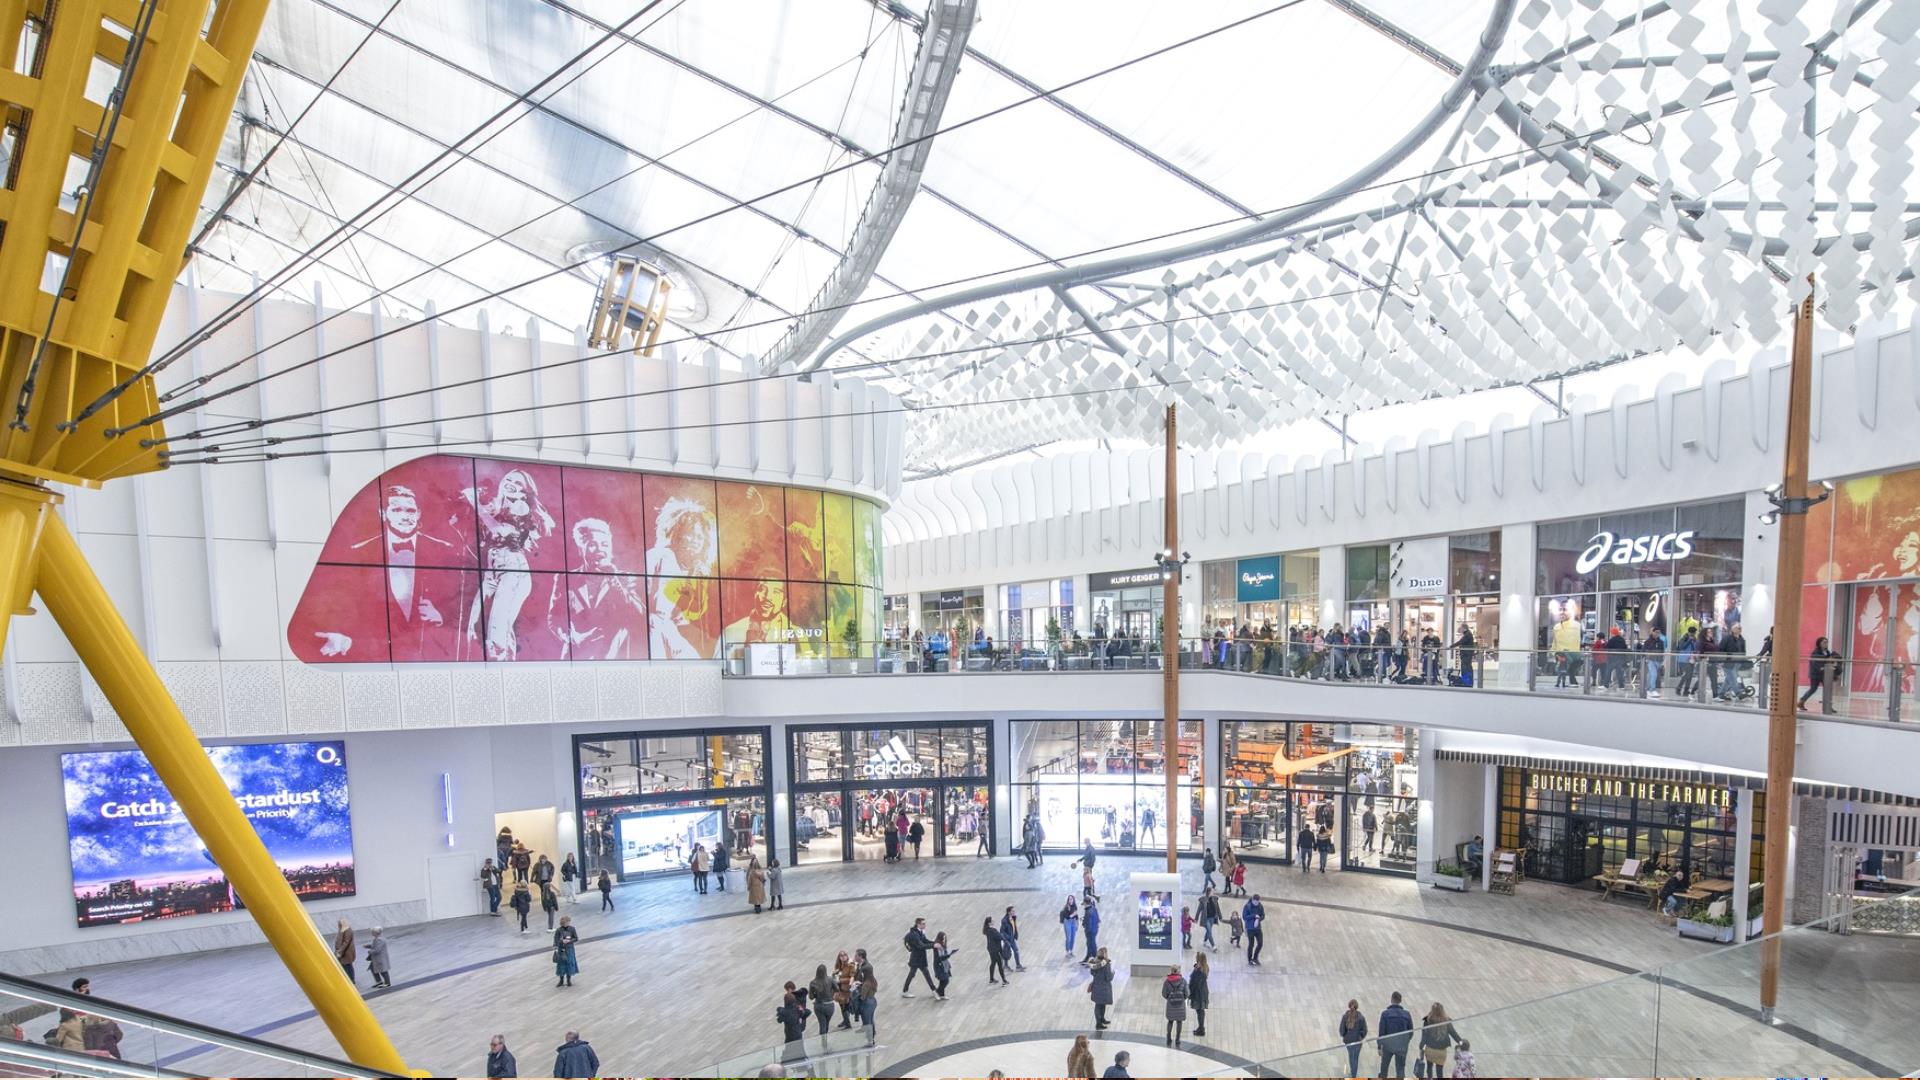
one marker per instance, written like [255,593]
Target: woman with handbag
[565,963]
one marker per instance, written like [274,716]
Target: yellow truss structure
[85,275]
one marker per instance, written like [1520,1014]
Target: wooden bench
[1627,881]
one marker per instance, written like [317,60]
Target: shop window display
[641,796]
[1570,836]
[852,783]
[1104,781]
[1279,778]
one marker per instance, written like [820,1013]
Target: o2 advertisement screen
[135,858]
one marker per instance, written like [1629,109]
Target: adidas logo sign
[893,760]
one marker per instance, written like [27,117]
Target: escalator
[49,1031]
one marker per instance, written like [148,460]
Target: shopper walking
[1463,1068]
[1209,918]
[522,861]
[776,888]
[721,858]
[1228,863]
[1323,845]
[1436,1038]
[490,884]
[1304,846]
[575,1058]
[867,993]
[1240,879]
[942,965]
[1186,927]
[1080,1060]
[1091,917]
[522,903]
[499,1059]
[756,883]
[605,885]
[549,903]
[996,951]
[344,949]
[1396,1031]
[793,1026]
[699,864]
[1173,989]
[915,834]
[1197,992]
[1100,968]
[1368,825]
[566,964]
[543,872]
[570,870]
[1070,922]
[1207,866]
[1818,662]
[1353,1033]
[1254,914]
[1010,937]
[820,994]
[378,964]
[918,947]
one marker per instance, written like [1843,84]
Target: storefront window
[1474,562]
[852,783]
[646,798]
[1358,782]
[1575,826]
[1368,570]
[1104,781]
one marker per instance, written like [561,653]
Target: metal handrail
[59,1062]
[171,1025]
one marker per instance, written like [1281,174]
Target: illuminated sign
[1632,551]
[893,761]
[1616,787]
[1259,580]
[1125,579]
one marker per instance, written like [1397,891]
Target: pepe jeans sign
[1606,547]
[1257,580]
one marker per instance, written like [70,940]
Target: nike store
[851,783]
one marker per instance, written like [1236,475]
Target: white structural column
[780,786]
[1425,854]
[1082,606]
[1333,586]
[1210,770]
[1760,566]
[1743,862]
[913,612]
[1490,831]
[1005,814]
[1518,619]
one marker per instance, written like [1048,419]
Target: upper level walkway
[1709,712]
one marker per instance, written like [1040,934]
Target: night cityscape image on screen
[135,857]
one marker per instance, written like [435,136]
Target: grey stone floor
[673,982]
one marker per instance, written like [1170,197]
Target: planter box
[1456,884]
[1704,931]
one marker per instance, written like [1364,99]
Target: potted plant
[1448,874]
[1753,915]
[1701,926]
[849,648]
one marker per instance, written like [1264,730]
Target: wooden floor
[674,982]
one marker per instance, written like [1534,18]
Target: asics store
[852,783]
[646,798]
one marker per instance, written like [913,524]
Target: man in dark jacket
[1118,1070]
[720,865]
[918,946]
[1010,933]
[1734,645]
[500,1059]
[1396,1030]
[574,1058]
[1254,914]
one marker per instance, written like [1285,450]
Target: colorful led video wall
[450,559]
[1864,544]
[136,859]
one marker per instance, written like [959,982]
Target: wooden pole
[1170,646]
[1782,706]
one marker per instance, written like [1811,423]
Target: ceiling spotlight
[1770,517]
[1772,489]
[1827,484]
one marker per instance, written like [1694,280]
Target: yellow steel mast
[85,276]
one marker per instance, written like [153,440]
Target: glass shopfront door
[851,784]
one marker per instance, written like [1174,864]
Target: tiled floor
[674,981]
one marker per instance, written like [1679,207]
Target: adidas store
[850,783]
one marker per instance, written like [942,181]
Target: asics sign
[1630,551]
[893,761]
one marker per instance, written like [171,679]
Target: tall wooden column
[1170,647]
[1782,707]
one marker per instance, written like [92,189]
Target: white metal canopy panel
[1610,185]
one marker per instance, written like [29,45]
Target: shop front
[1356,784]
[1036,614]
[1575,823]
[1248,604]
[894,614]
[1127,603]
[1650,578]
[951,617]
[645,799]
[850,783]
[1105,782]
[1863,590]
